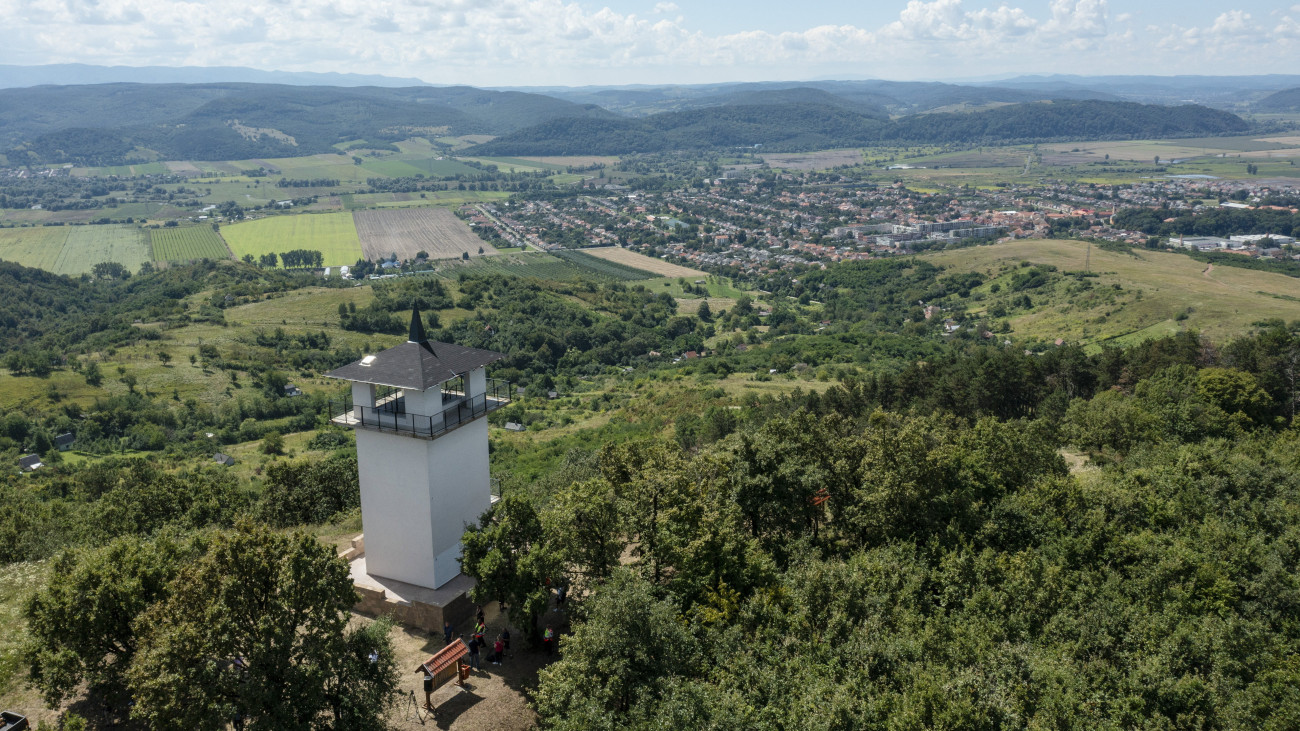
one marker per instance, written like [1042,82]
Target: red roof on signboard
[446,656]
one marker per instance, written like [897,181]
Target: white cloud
[515,42]
[1233,22]
[1078,18]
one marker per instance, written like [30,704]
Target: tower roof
[418,364]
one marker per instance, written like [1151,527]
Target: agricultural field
[630,258]
[74,249]
[186,243]
[1148,294]
[820,160]
[516,164]
[405,232]
[1146,150]
[332,234]
[574,160]
[124,171]
[360,201]
[567,267]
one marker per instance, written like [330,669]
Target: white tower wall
[416,498]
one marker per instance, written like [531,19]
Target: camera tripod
[413,708]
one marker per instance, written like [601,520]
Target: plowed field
[406,232]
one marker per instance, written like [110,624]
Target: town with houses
[769,221]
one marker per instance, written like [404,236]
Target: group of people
[478,641]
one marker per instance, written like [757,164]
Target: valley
[968,411]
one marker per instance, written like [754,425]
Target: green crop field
[332,234]
[433,167]
[74,249]
[1137,295]
[187,243]
[567,267]
[513,165]
[392,168]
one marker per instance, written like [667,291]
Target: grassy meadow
[332,234]
[1136,296]
[74,249]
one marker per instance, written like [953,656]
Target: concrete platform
[408,604]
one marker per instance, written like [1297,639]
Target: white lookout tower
[422,454]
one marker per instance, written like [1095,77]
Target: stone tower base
[410,605]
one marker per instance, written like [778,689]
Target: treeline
[542,332]
[117,497]
[58,192]
[302,259]
[70,315]
[307,183]
[801,127]
[1222,222]
[536,324]
[137,594]
[950,569]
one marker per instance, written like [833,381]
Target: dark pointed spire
[417,327]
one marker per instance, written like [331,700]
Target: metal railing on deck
[387,418]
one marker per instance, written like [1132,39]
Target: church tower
[422,453]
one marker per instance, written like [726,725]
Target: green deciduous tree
[508,555]
[652,485]
[256,632]
[309,492]
[1110,420]
[81,622]
[585,530]
[617,662]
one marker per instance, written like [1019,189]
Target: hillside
[898,97]
[775,127]
[1287,100]
[1135,296]
[781,127]
[114,123]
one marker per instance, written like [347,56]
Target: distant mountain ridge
[114,123]
[804,127]
[896,97]
[1287,100]
[62,74]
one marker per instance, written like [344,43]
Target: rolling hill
[1287,100]
[897,97]
[790,127]
[115,123]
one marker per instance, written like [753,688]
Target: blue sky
[577,42]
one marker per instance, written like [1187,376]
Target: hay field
[332,234]
[575,160]
[644,263]
[1156,288]
[74,249]
[820,160]
[407,231]
[187,243]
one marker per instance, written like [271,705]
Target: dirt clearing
[644,263]
[408,231]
